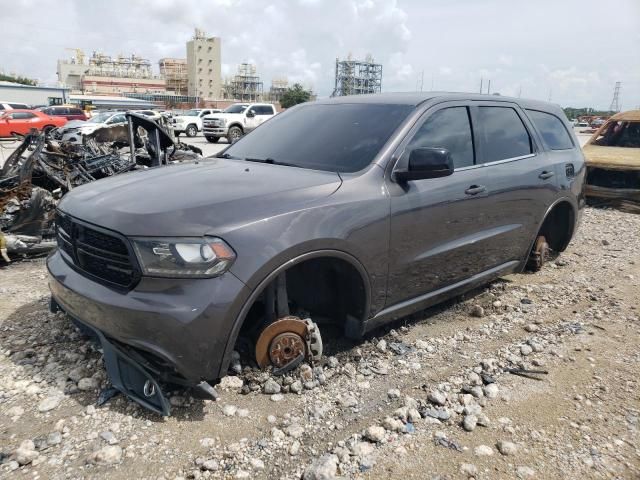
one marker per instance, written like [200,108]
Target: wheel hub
[539,254]
[285,340]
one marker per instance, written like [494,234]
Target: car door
[22,122]
[437,225]
[521,181]
[251,122]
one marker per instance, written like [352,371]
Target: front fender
[271,276]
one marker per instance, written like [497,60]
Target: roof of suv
[417,98]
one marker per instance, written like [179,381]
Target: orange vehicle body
[21,122]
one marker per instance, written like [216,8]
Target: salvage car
[613,159]
[351,211]
[20,122]
[68,112]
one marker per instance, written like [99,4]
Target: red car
[22,121]
[70,113]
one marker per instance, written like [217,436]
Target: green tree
[21,80]
[295,95]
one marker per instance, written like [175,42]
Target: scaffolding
[174,71]
[245,86]
[133,66]
[356,77]
[278,88]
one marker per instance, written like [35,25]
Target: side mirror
[426,162]
[251,114]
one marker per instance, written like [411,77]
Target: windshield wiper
[226,155]
[270,161]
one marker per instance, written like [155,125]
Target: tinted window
[48,111]
[75,111]
[18,105]
[1,107]
[263,110]
[503,133]
[552,130]
[335,137]
[22,115]
[448,128]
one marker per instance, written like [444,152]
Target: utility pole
[520,91]
[481,80]
[422,80]
[489,88]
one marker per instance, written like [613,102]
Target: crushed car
[343,214]
[613,160]
[49,164]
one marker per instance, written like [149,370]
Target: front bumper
[180,326]
[215,131]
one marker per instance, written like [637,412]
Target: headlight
[183,257]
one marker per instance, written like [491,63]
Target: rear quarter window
[504,136]
[552,129]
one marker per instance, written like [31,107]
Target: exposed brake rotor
[283,341]
[539,254]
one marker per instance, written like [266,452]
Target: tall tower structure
[204,66]
[615,102]
[355,77]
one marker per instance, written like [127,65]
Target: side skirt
[413,305]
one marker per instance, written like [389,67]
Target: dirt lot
[432,398]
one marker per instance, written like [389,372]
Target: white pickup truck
[190,122]
[236,120]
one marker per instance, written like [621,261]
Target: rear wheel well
[326,289]
[558,226]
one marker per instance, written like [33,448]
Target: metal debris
[47,165]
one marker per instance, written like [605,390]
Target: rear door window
[18,105]
[503,134]
[552,129]
[448,128]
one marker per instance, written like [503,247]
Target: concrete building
[174,71]
[204,66]
[16,92]
[94,84]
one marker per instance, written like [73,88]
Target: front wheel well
[236,125]
[326,289]
[558,226]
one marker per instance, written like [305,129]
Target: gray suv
[353,211]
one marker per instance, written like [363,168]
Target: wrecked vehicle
[47,165]
[613,159]
[398,202]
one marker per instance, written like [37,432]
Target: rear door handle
[475,189]
[545,175]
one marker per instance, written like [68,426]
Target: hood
[208,197]
[616,158]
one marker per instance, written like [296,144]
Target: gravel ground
[432,396]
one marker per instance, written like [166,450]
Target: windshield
[100,118]
[191,113]
[236,109]
[619,134]
[338,138]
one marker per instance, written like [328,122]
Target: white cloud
[535,47]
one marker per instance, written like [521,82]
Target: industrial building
[106,75]
[175,73]
[244,86]
[278,88]
[356,77]
[16,92]
[204,66]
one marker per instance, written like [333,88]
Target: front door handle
[545,175]
[475,189]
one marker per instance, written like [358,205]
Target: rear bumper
[180,326]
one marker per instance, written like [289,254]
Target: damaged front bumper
[126,374]
[176,330]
